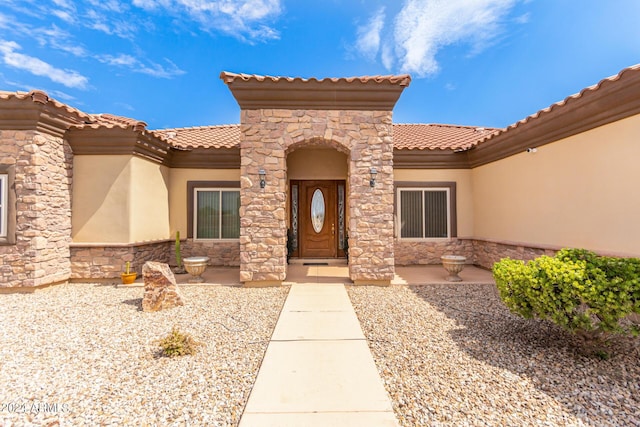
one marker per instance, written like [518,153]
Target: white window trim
[195,214]
[447,190]
[4,205]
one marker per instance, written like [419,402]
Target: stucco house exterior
[318,164]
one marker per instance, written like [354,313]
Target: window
[425,213]
[216,213]
[4,204]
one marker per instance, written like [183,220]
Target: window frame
[448,187]
[192,188]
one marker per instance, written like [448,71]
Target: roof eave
[257,92]
[612,99]
[430,159]
[114,140]
[36,111]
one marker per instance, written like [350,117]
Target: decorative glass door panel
[317,210]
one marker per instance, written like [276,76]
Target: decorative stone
[454,264]
[160,288]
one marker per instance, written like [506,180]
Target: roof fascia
[34,112]
[206,158]
[430,159]
[298,94]
[118,140]
[613,100]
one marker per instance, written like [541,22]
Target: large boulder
[160,288]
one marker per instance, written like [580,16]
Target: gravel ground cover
[78,354]
[452,354]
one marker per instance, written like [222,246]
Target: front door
[318,218]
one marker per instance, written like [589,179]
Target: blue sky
[473,62]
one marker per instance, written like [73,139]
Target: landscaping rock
[97,364]
[160,288]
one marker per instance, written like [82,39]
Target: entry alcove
[317,174]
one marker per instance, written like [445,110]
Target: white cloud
[11,24]
[244,19]
[65,4]
[152,69]
[57,39]
[109,24]
[38,67]
[118,60]
[368,41]
[109,5]
[64,15]
[423,27]
[152,4]
[523,19]
[157,70]
[387,55]
[64,10]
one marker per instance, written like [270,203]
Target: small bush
[576,289]
[177,344]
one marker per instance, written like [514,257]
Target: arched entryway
[317,176]
[352,116]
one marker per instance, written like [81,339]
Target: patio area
[338,273]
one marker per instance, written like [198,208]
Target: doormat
[315,263]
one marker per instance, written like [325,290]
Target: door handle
[333,229]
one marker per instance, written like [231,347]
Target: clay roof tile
[437,136]
[41,97]
[405,136]
[221,136]
[402,79]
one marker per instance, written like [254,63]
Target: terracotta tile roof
[402,79]
[41,97]
[110,119]
[437,136]
[222,136]
[557,108]
[84,120]
[405,136]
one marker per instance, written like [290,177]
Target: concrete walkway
[318,370]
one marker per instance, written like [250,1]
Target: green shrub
[576,289]
[177,344]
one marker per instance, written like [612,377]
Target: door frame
[295,219]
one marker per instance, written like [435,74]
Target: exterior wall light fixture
[373,173]
[263,175]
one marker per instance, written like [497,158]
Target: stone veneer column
[43,173]
[263,230]
[371,246]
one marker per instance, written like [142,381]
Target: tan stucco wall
[101,198]
[464,191]
[178,192]
[149,201]
[119,199]
[316,163]
[581,191]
